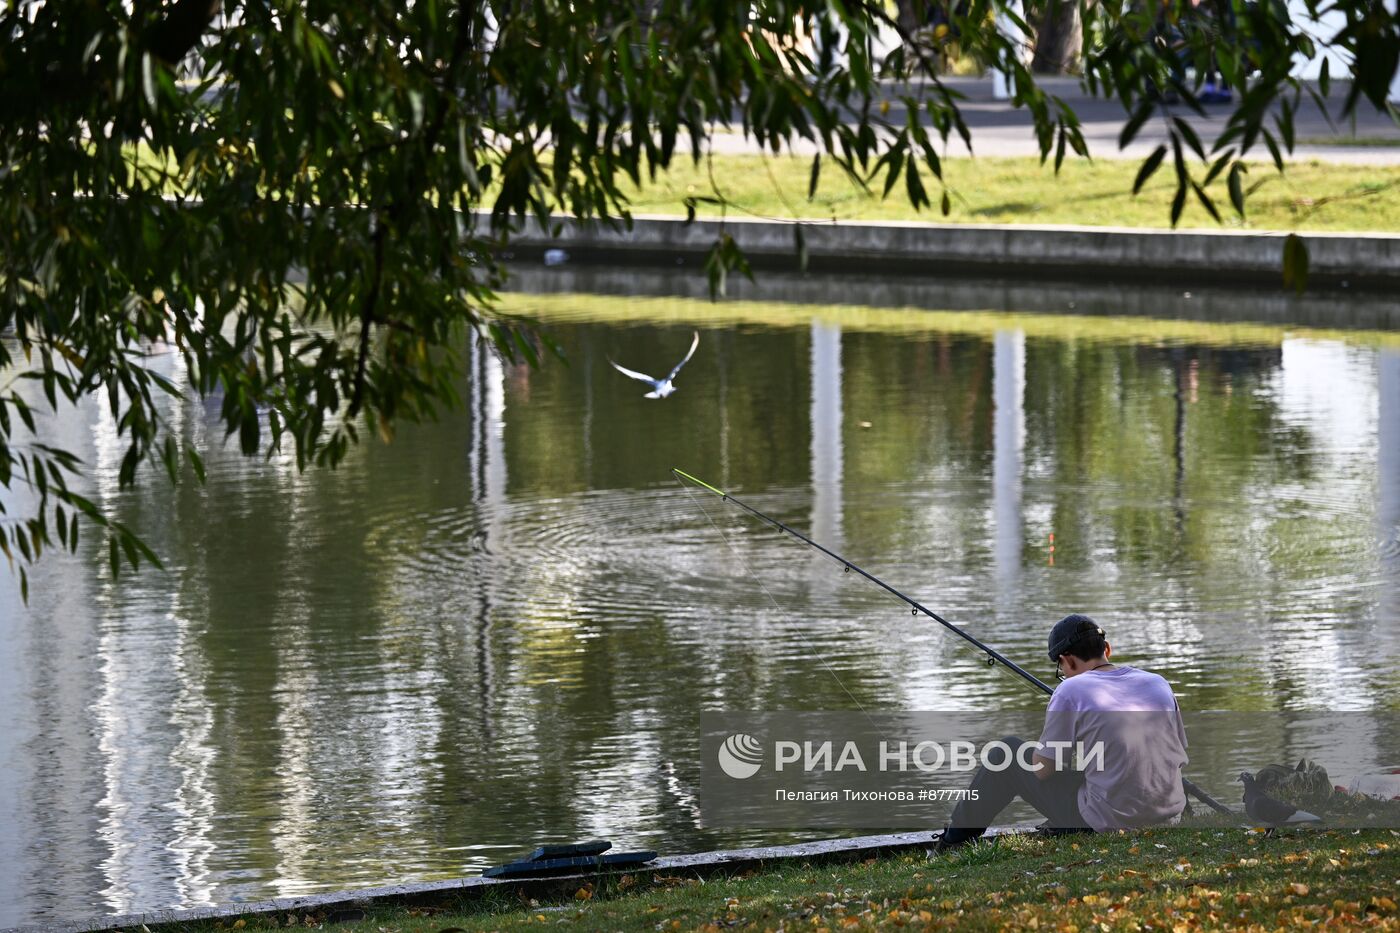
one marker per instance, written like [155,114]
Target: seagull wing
[693,344]
[635,375]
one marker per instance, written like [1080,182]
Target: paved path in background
[998,129]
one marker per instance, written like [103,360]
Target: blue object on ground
[570,850]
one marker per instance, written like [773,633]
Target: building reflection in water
[1009,440]
[1387,627]
[826,456]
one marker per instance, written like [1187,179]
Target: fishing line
[993,656]
[745,564]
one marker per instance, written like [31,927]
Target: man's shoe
[950,839]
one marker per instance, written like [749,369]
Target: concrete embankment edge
[456,891]
[1357,261]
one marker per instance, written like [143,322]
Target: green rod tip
[699,482]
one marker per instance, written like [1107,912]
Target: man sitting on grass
[1131,714]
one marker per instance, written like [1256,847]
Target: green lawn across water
[1178,880]
[1308,196]
[1367,142]
[1313,195]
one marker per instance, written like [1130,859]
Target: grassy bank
[1368,142]
[1161,880]
[1318,196]
[1309,196]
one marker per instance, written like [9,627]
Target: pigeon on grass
[1270,811]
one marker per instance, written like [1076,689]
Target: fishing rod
[993,656]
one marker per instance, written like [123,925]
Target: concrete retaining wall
[441,893]
[1084,253]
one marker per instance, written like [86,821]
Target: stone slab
[1180,257]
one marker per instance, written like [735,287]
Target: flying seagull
[660,388]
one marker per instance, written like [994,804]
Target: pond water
[500,629]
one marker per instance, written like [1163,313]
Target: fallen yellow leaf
[1298,888]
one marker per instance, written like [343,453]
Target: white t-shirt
[1134,717]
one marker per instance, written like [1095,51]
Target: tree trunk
[1058,38]
[909,15]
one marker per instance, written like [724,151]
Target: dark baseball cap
[1069,630]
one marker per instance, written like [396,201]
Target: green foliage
[305,201]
